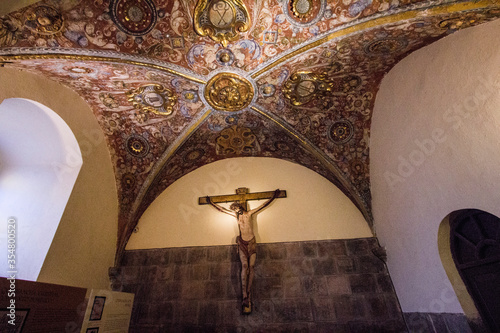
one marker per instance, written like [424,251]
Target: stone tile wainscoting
[314,286]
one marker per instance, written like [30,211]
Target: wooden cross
[242,196]
[246,240]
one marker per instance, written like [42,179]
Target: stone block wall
[315,286]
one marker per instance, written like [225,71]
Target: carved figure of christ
[246,240]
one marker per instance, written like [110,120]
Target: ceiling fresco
[177,84]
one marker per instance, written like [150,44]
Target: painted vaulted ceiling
[177,84]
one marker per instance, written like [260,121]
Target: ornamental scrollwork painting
[229,92]
[221,20]
[9,32]
[303,13]
[236,140]
[135,18]
[153,98]
[303,87]
[43,20]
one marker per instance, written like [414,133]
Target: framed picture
[92,330]
[97,308]
[21,315]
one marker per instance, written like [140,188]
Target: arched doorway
[475,246]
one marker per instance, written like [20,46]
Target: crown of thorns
[236,205]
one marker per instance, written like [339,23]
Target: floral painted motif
[313,67]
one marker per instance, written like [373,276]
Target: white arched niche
[434,149]
[40,161]
[314,209]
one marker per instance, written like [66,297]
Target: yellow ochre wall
[314,209]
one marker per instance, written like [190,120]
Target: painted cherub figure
[246,243]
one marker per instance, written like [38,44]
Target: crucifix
[246,240]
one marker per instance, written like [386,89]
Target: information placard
[108,312]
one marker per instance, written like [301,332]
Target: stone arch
[451,270]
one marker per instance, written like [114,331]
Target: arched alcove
[41,160]
[433,150]
[474,243]
[314,209]
[84,244]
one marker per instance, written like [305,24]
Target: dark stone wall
[315,286]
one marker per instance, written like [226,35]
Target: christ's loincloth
[248,247]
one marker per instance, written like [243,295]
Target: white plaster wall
[85,241]
[434,149]
[41,161]
[314,208]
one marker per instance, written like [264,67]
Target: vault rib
[133,217]
[23,53]
[324,159]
